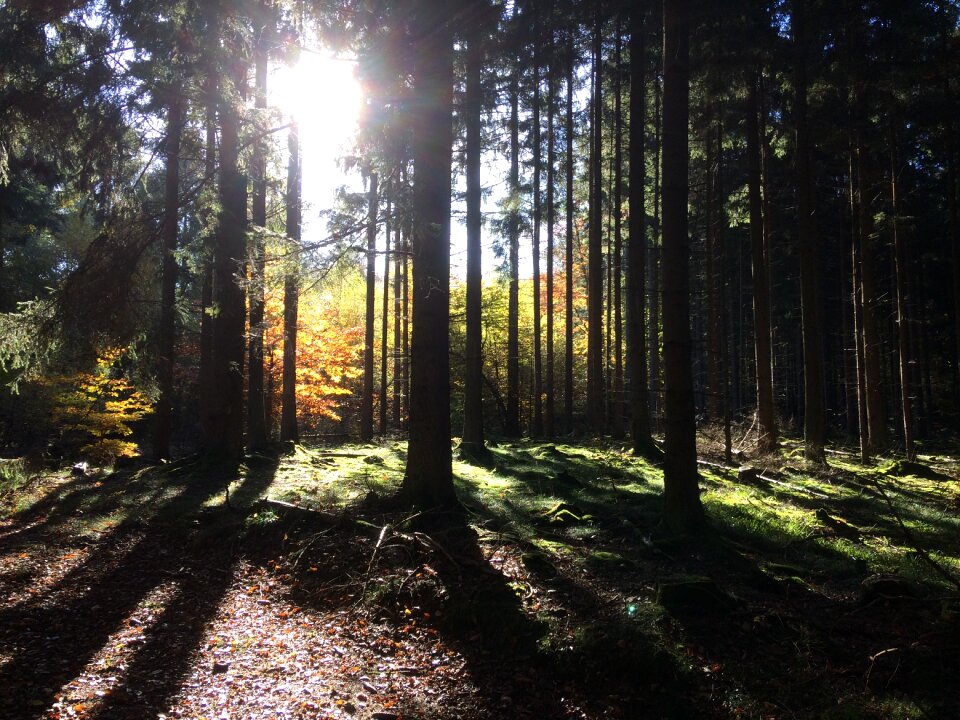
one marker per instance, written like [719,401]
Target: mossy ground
[548,596]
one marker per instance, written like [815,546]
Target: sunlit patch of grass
[336,477]
[749,511]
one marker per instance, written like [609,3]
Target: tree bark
[656,293]
[512,426]
[766,414]
[385,326]
[568,260]
[872,346]
[903,320]
[683,511]
[428,480]
[537,427]
[166,350]
[257,431]
[595,414]
[814,413]
[618,405]
[397,326]
[550,394]
[366,401]
[473,439]
[224,441]
[291,292]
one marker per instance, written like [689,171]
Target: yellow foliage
[95,410]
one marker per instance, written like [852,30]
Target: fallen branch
[791,486]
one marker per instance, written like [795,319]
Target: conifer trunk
[397,323]
[257,431]
[291,292]
[385,326]
[683,511]
[903,321]
[166,352]
[595,414]
[568,260]
[656,294]
[814,414]
[766,415]
[428,480]
[550,393]
[224,440]
[366,400]
[473,440]
[618,405]
[512,425]
[537,428]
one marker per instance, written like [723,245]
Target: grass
[574,532]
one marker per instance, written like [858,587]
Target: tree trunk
[721,281]
[405,356]
[595,414]
[207,378]
[766,415]
[568,261]
[366,401]
[814,414]
[473,440]
[385,327]
[291,292]
[428,480]
[655,286]
[550,399]
[872,346]
[397,324]
[714,400]
[683,511]
[857,310]
[537,428]
[618,405]
[166,350]
[512,426]
[224,442]
[257,431]
[903,320]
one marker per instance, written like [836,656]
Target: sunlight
[322,94]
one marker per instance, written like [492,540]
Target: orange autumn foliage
[327,356]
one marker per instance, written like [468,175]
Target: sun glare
[322,94]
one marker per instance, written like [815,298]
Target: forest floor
[290,591]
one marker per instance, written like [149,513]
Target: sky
[322,94]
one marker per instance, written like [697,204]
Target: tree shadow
[181,541]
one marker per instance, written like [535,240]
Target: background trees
[140,183]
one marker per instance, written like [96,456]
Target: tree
[291,291]
[537,425]
[568,260]
[257,431]
[682,508]
[428,480]
[766,413]
[637,250]
[595,243]
[550,391]
[224,426]
[366,400]
[814,417]
[512,424]
[168,280]
[472,442]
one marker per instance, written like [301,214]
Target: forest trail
[147,594]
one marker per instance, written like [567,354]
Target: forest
[609,367]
